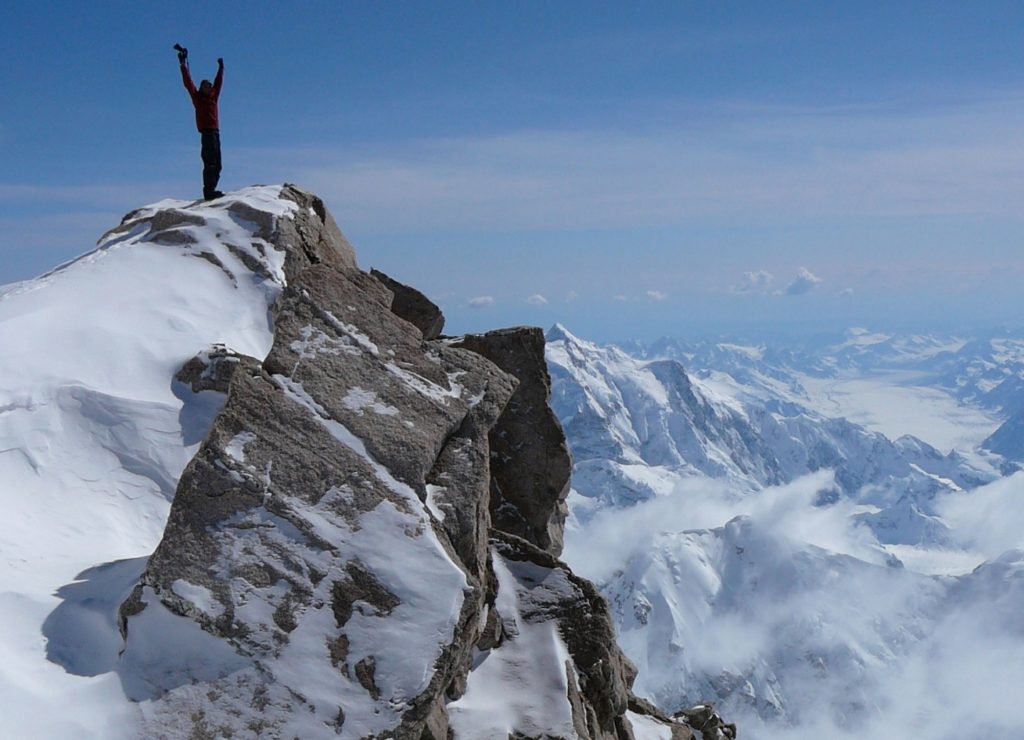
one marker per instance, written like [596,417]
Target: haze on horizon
[679,168]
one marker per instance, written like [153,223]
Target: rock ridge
[366,542]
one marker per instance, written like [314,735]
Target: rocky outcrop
[707,721]
[309,237]
[364,544]
[413,306]
[211,370]
[530,461]
[550,591]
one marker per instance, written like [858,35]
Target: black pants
[211,161]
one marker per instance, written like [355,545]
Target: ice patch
[431,502]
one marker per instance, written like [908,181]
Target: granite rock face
[211,370]
[311,236]
[413,306]
[530,460]
[365,543]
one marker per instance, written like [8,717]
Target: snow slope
[94,434]
[870,594]
[639,427]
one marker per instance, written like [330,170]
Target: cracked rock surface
[365,544]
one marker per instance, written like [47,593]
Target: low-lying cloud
[988,520]
[801,604]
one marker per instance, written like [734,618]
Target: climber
[207,121]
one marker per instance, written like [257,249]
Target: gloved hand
[182,53]
[220,61]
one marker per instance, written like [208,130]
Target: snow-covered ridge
[94,431]
[249,492]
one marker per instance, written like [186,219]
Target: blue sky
[631,170]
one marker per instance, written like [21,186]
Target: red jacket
[205,105]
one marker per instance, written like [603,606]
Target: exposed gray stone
[302,452]
[413,306]
[211,370]
[530,460]
[707,721]
[358,443]
[311,236]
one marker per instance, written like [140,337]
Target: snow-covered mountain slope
[950,390]
[638,427]
[777,600]
[1008,439]
[250,492]
[94,431]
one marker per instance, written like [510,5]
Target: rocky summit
[366,542]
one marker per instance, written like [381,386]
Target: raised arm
[187,79]
[219,79]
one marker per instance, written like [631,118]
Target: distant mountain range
[803,569]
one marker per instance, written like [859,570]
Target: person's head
[205,87]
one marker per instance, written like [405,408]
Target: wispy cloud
[537,300]
[571,296]
[655,295]
[481,301]
[725,160]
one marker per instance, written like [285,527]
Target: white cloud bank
[802,603]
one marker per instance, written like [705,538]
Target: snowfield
[93,437]
[895,404]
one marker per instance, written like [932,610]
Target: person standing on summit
[207,120]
